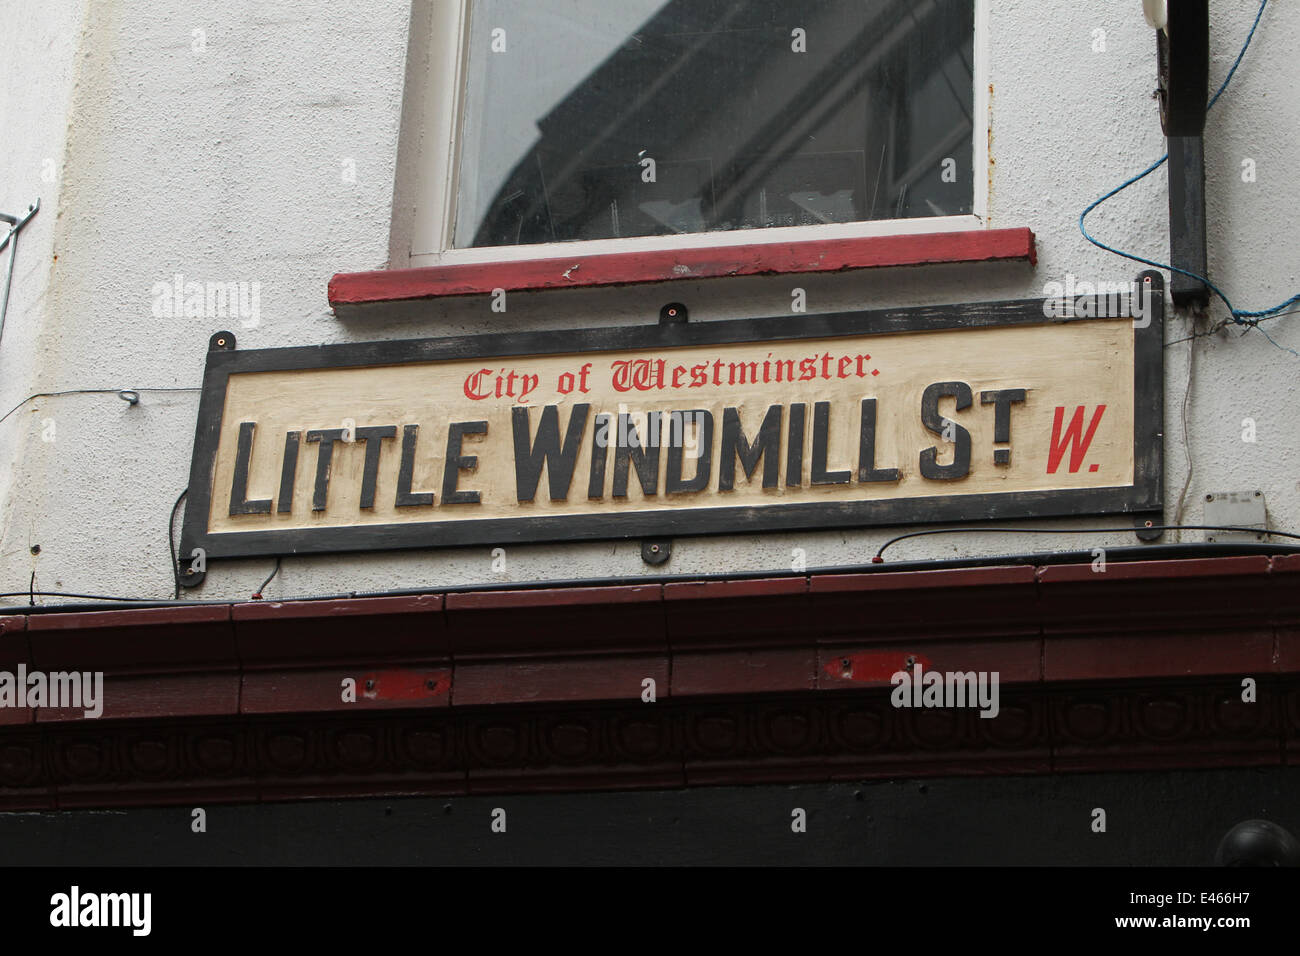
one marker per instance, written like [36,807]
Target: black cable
[1173,552]
[274,571]
[171,546]
[31,589]
[92,597]
[879,558]
[93,391]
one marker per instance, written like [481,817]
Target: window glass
[600,119]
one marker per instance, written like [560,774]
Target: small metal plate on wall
[657,551]
[1238,509]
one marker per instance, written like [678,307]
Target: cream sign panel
[953,413]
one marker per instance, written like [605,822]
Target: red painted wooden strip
[548,680]
[1015,662]
[156,696]
[11,716]
[553,597]
[1286,564]
[714,590]
[556,620]
[766,671]
[907,580]
[1160,600]
[307,691]
[162,639]
[130,617]
[279,610]
[735,615]
[13,640]
[1146,570]
[625,268]
[1288,650]
[1145,655]
[971,605]
[369,630]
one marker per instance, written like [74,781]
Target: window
[586,121]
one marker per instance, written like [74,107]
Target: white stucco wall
[224,164]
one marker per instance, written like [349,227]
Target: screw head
[654,549]
[1209,497]
[370,685]
[36,549]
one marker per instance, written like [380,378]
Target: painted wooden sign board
[1020,409]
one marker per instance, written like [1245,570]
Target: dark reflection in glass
[596,119]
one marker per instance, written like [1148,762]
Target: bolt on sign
[936,414]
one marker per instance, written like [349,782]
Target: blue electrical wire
[1240,316]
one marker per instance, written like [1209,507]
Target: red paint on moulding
[873,667]
[403,685]
[628,268]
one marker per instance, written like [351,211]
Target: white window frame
[435,184]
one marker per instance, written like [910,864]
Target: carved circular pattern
[569,741]
[18,765]
[287,752]
[354,749]
[716,734]
[788,731]
[497,744]
[936,729]
[860,729]
[1086,721]
[1163,718]
[149,756]
[640,738]
[1014,727]
[82,758]
[426,747]
[215,755]
[1235,716]
[851,731]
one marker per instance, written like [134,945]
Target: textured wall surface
[217,155]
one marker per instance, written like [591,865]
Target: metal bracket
[222,341]
[189,577]
[1145,527]
[656,551]
[16,223]
[1187,221]
[674,313]
[1183,62]
[1246,510]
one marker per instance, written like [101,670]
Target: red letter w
[1073,436]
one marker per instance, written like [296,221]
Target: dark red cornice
[781,678]
[350,289]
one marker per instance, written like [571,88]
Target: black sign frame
[1142,498]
